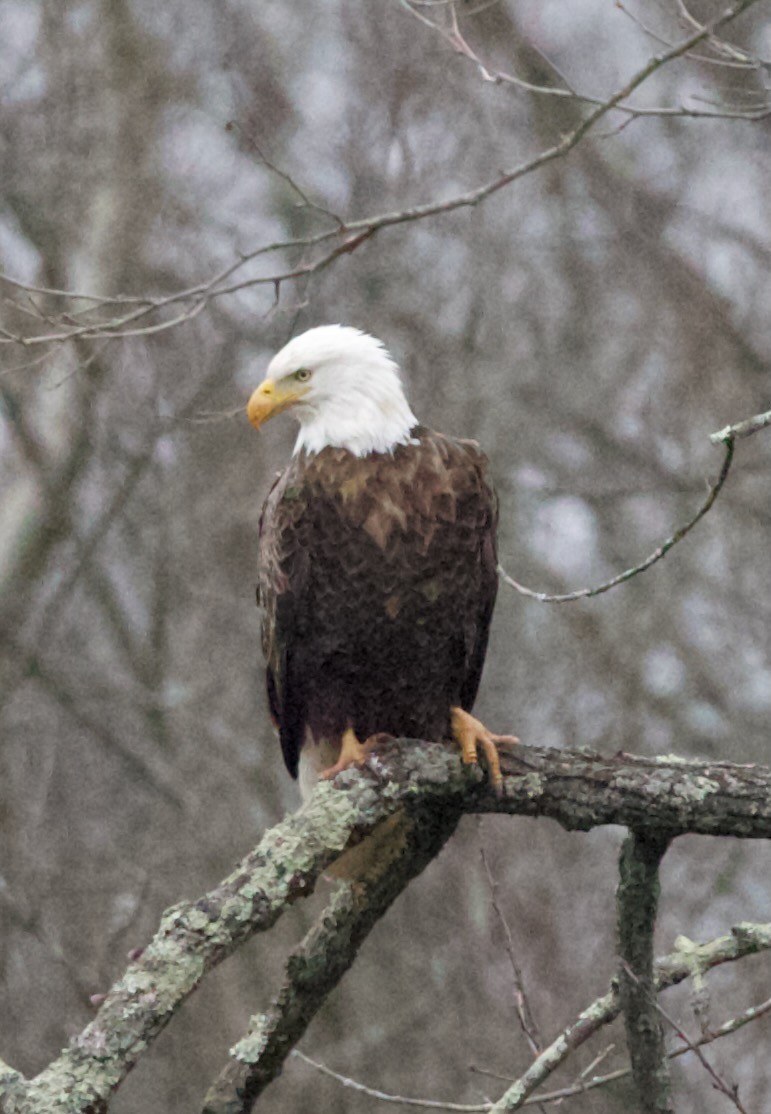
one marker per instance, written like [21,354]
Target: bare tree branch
[386,1096]
[718,1082]
[725,437]
[637,903]
[579,789]
[669,971]
[524,1011]
[731,1026]
[353,233]
[29,656]
[152,771]
[317,965]
[454,37]
[741,429]
[586,1083]
[307,202]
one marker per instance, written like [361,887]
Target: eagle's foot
[472,735]
[352,753]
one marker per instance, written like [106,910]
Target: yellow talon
[470,734]
[352,753]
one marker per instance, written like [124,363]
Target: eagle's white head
[344,389]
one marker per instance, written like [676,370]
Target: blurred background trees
[589,325]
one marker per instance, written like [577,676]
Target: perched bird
[377,563]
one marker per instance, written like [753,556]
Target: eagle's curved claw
[470,735]
[352,753]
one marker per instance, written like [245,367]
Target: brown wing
[282,593]
[488,590]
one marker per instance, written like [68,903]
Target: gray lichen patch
[532,786]
[429,782]
[249,1049]
[696,788]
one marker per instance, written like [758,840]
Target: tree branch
[522,1005]
[731,1092]
[659,552]
[725,437]
[741,429]
[745,939]
[452,35]
[578,789]
[689,960]
[637,899]
[316,966]
[351,235]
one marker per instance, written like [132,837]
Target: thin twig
[669,971]
[233,125]
[590,1067]
[724,1030]
[385,1096]
[578,1088]
[651,559]
[741,429]
[725,437]
[524,1012]
[460,45]
[701,58]
[357,232]
[731,1093]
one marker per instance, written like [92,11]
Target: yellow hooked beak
[272,398]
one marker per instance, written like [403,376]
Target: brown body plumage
[378,581]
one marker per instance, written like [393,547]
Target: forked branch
[579,789]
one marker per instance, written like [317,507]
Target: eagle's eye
[302,375]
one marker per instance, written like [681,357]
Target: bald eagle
[377,563]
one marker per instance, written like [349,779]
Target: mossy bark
[316,966]
[579,789]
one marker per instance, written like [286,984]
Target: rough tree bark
[579,789]
[637,899]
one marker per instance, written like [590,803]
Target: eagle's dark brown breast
[378,578]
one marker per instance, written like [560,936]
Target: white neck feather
[373,426]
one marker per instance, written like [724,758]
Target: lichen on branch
[579,789]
